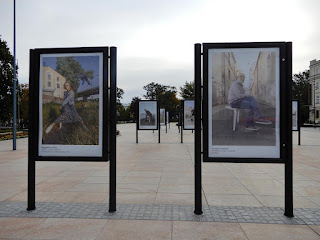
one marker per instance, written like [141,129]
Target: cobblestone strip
[303,216]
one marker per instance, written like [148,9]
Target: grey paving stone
[163,212]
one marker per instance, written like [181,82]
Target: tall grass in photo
[72,133]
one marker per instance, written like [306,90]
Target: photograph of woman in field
[68,111]
[70,96]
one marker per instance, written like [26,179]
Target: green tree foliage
[170,102]
[72,70]
[120,92]
[165,95]
[24,105]
[153,90]
[133,107]
[6,82]
[187,91]
[301,91]
[123,113]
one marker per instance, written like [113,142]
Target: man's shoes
[263,121]
[252,128]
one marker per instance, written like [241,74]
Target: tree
[170,102]
[301,91]
[123,113]
[187,91]
[133,107]
[24,104]
[165,95]
[154,90]
[120,92]
[72,70]
[6,82]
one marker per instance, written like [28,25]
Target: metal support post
[197,136]
[113,129]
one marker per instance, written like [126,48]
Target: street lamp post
[14,130]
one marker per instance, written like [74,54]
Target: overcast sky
[155,39]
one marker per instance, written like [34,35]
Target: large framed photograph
[70,104]
[295,115]
[188,115]
[148,115]
[242,103]
[162,116]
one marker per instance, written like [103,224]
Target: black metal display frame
[165,117]
[182,120]
[109,58]
[138,120]
[201,116]
[183,104]
[298,121]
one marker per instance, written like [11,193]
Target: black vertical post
[33,88]
[182,119]
[299,120]
[182,125]
[137,132]
[113,128]
[166,128]
[159,125]
[288,164]
[197,136]
[137,120]
[179,120]
[14,125]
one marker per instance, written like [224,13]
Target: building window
[317,99]
[49,79]
[317,114]
[317,85]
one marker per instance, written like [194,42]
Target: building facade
[314,76]
[224,71]
[263,87]
[52,85]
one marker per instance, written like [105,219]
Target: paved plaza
[155,193]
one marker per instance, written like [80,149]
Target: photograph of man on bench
[243,101]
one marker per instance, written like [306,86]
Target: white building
[314,77]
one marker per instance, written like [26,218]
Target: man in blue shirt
[238,98]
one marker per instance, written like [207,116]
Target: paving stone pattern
[267,215]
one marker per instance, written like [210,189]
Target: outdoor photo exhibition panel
[72,104]
[76,101]
[245,112]
[188,114]
[247,107]
[295,115]
[148,115]
[162,116]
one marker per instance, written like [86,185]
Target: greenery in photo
[72,133]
